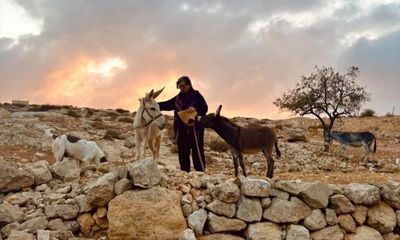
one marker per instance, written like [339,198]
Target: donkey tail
[278,152]
[48,133]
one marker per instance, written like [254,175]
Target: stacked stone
[56,203]
[258,208]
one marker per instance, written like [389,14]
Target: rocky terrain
[40,199]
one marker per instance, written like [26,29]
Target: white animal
[147,126]
[83,150]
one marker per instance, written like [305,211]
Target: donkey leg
[235,161]
[152,147]
[157,147]
[270,163]
[242,164]
[138,142]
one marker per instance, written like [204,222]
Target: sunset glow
[108,67]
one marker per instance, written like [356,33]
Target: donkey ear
[218,111]
[155,95]
[150,94]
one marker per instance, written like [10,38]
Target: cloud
[242,54]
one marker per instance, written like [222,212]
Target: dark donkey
[243,139]
[354,139]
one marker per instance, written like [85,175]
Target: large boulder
[144,173]
[40,171]
[146,214]
[101,191]
[249,209]
[64,168]
[13,178]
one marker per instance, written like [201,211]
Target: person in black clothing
[188,98]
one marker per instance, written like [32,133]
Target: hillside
[22,140]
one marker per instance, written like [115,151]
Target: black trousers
[187,146]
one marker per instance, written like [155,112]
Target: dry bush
[73,113]
[367,113]
[122,111]
[89,112]
[219,145]
[125,119]
[112,114]
[44,107]
[111,134]
[98,124]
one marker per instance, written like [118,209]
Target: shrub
[45,108]
[98,124]
[125,119]
[367,113]
[72,113]
[121,111]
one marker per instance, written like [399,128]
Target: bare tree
[325,93]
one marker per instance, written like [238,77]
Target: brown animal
[243,140]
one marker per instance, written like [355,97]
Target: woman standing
[188,99]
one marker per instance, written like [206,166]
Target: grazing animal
[83,150]
[354,139]
[147,125]
[243,139]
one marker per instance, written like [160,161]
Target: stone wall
[143,201]
[260,209]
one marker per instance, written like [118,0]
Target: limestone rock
[364,233]
[347,223]
[150,214]
[144,173]
[316,194]
[226,192]
[223,224]
[364,194]
[341,204]
[360,214]
[101,191]
[249,209]
[255,187]
[264,231]
[282,211]
[297,232]
[196,220]
[40,171]
[315,221]
[9,214]
[382,217]
[13,178]
[329,233]
[222,208]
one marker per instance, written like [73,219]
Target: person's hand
[191,109]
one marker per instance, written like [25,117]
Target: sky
[241,54]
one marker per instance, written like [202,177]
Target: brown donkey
[243,139]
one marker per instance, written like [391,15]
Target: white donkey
[147,125]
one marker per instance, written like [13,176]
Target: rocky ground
[22,140]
